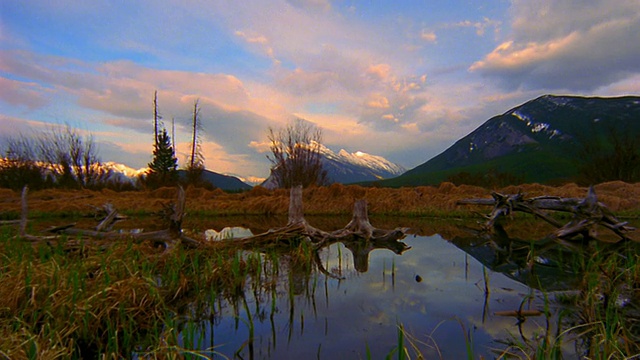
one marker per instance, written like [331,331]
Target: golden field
[336,199]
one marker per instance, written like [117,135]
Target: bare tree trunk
[25,210]
[359,223]
[173,133]
[196,112]
[156,116]
[296,214]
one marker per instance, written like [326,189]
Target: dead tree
[359,228]
[588,213]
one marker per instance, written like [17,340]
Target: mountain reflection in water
[439,294]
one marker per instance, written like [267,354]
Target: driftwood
[166,237]
[360,227]
[588,213]
[112,217]
[297,226]
[358,236]
[22,228]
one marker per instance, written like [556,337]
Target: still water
[355,303]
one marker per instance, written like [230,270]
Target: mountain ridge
[539,140]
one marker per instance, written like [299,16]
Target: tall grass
[601,318]
[62,301]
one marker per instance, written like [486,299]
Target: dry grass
[60,304]
[332,200]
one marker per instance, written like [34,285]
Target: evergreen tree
[163,170]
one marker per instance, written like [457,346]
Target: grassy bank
[75,299]
[70,299]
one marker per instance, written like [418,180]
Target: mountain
[122,172]
[346,168]
[542,140]
[224,182]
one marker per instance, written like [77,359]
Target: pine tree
[163,170]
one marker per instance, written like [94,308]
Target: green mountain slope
[543,140]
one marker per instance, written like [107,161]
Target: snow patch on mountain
[536,126]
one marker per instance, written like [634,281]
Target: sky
[401,79]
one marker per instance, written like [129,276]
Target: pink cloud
[428,36]
[19,93]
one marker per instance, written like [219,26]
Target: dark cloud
[567,46]
[233,130]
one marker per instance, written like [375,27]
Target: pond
[442,298]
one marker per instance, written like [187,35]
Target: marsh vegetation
[453,293]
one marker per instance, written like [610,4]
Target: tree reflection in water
[333,303]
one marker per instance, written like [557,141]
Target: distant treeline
[62,158]
[56,158]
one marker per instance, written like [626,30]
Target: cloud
[121,95]
[379,71]
[566,45]
[479,26]
[358,73]
[428,36]
[332,73]
[377,101]
[20,93]
[396,104]
[259,40]
[11,126]
[322,5]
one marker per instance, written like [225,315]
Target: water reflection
[542,264]
[354,305]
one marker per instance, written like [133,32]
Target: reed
[57,303]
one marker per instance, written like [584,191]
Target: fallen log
[9,222]
[587,213]
[112,217]
[168,237]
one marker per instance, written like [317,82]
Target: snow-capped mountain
[381,167]
[123,172]
[346,168]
